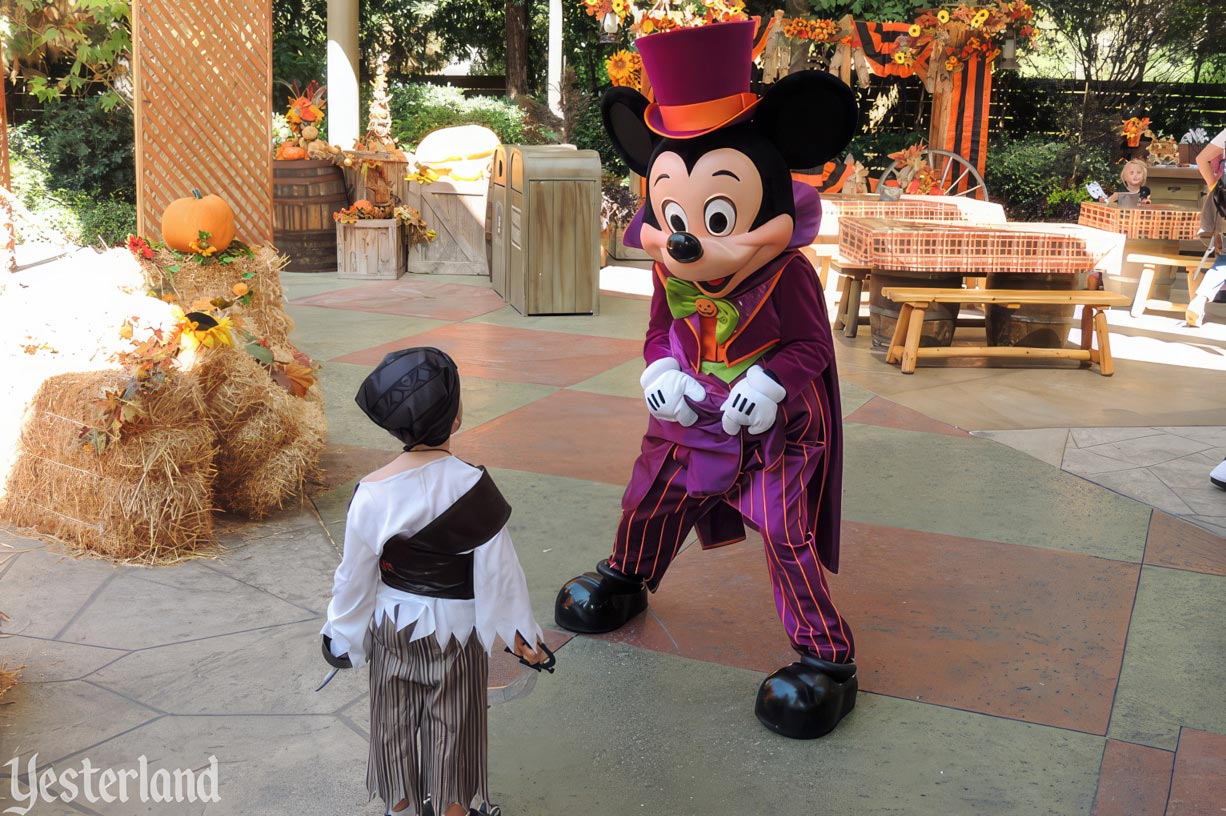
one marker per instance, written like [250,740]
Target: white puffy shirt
[405,503]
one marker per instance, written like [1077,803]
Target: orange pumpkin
[186,218]
[290,151]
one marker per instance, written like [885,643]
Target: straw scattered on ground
[146,498]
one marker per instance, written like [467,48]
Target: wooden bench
[905,348]
[1150,261]
[847,317]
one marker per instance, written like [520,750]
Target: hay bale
[264,316]
[269,441]
[145,498]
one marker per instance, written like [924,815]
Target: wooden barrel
[305,195]
[1032,325]
[939,321]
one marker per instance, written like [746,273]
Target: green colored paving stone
[853,396]
[620,730]
[561,527]
[1172,673]
[622,318]
[980,489]
[619,381]
[304,284]
[324,333]
[347,425]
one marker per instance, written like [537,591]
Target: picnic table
[1152,239]
[1042,258]
[947,209]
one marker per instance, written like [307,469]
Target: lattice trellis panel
[203,73]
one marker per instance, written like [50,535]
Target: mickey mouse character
[741,385]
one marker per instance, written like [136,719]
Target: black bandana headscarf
[414,394]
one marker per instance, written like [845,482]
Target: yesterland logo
[92,784]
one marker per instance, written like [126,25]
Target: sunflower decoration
[624,68]
[942,16]
[915,30]
[205,330]
[952,64]
[981,17]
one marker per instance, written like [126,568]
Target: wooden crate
[373,249]
[456,211]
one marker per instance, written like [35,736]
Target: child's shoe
[1195,313]
[1218,475]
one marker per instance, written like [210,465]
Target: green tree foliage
[71,48]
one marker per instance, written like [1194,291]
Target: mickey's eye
[720,216]
[675,216]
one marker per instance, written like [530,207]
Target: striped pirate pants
[427,719]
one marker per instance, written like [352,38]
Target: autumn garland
[933,32]
[206,323]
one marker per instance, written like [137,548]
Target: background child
[1134,175]
[428,579]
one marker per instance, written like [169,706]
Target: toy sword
[328,678]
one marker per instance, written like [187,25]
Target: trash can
[552,230]
[495,222]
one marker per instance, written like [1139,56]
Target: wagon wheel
[951,171]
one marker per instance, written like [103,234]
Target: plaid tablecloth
[976,249]
[910,207]
[1163,222]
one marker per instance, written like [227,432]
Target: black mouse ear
[622,111]
[810,116]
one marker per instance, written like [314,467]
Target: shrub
[87,149]
[418,109]
[590,135]
[80,217]
[1023,173]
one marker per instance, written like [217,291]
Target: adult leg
[1206,291]
[649,535]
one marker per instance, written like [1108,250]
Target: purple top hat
[699,77]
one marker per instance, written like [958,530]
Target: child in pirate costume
[428,579]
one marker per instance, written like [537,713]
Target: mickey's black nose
[684,247]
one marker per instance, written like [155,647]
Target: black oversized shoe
[807,699]
[599,601]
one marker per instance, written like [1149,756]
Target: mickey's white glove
[753,403]
[665,388]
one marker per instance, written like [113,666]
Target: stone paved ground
[1030,642]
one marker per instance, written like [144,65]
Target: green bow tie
[684,299]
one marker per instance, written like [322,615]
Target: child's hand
[525,652]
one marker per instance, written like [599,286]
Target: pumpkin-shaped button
[705,307]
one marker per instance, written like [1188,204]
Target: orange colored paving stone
[1176,543]
[889,414]
[1134,780]
[411,298]
[1000,629]
[515,355]
[575,434]
[1199,784]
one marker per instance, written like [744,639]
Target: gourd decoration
[185,218]
[290,151]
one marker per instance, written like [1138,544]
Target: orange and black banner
[879,41]
[966,131]
[827,179]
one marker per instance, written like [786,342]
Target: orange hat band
[705,115]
